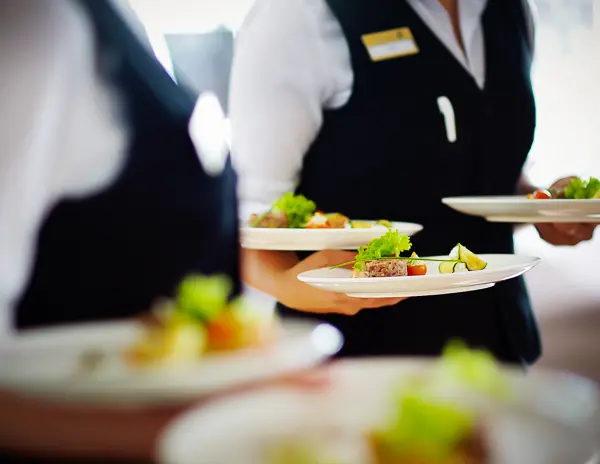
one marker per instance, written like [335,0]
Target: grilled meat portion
[269,220]
[385,268]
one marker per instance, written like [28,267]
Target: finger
[552,235]
[568,229]
[584,234]
[381,302]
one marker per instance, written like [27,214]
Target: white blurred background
[197,38]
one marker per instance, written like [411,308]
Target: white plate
[260,238]
[517,209]
[549,423]
[47,363]
[499,268]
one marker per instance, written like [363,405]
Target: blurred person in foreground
[104,204]
[379,109]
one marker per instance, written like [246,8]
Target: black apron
[386,154]
[109,256]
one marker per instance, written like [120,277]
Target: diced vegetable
[541,195]
[414,267]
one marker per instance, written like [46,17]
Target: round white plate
[549,423]
[518,209]
[257,238]
[499,268]
[47,363]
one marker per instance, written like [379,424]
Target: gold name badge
[387,45]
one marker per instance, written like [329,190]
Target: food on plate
[199,320]
[381,257]
[428,425]
[576,189]
[297,212]
[431,418]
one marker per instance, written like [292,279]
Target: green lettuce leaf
[581,189]
[202,297]
[297,208]
[387,246]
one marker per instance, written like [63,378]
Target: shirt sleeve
[280,82]
[60,134]
[531,16]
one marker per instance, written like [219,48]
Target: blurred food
[575,188]
[381,258]
[425,425]
[298,212]
[199,320]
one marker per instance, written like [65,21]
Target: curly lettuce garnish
[203,298]
[472,369]
[582,189]
[424,427]
[387,246]
[297,208]
[426,423]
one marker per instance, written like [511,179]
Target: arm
[276,98]
[283,75]
[524,186]
[36,429]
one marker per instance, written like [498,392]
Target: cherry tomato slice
[542,195]
[419,269]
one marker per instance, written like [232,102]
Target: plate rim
[534,262]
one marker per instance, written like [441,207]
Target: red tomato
[224,333]
[542,195]
[419,269]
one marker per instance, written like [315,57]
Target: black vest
[386,154]
[111,255]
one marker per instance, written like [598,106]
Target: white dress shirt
[291,62]
[60,131]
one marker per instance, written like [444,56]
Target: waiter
[88,114]
[378,109]
[109,256]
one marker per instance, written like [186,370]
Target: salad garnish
[293,211]
[577,189]
[381,257]
[201,318]
[583,189]
[426,424]
[297,208]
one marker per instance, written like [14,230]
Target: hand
[298,295]
[563,233]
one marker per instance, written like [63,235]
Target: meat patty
[385,268]
[269,220]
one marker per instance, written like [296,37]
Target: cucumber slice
[451,267]
[472,261]
[447,267]
[461,267]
